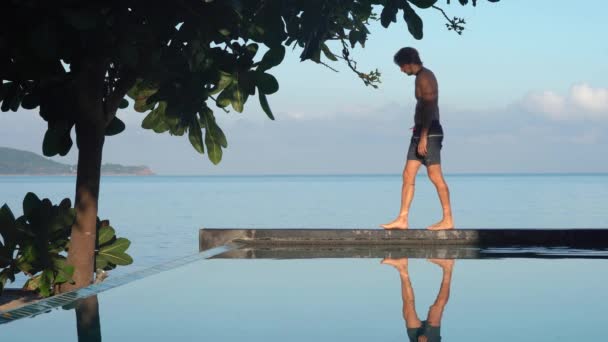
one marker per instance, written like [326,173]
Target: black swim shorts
[433,148]
[433,334]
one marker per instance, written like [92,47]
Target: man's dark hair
[407,55]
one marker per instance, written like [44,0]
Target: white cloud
[593,100]
[547,102]
[582,102]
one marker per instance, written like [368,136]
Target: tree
[76,61]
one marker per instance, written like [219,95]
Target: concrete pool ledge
[479,238]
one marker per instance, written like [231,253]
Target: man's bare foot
[399,223]
[400,264]
[446,264]
[442,225]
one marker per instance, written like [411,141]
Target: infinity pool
[342,299]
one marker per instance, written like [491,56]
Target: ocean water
[512,299]
[161,215]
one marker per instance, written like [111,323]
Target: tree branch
[442,11]
[455,24]
[368,79]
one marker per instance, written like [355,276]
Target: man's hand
[422,146]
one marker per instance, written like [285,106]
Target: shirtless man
[426,142]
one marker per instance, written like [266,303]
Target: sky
[523,90]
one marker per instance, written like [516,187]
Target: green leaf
[225,79]
[327,52]
[64,271]
[31,203]
[208,120]
[220,136]
[30,101]
[105,234]
[142,88]
[142,105]
[100,262]
[140,92]
[388,14]
[239,97]
[252,49]
[196,136]
[266,83]
[214,151]
[57,225]
[225,97]
[161,127]
[212,137]
[115,126]
[119,246]
[57,139]
[10,93]
[233,95]
[246,82]
[414,23]
[123,104]
[7,223]
[265,106]
[7,274]
[33,283]
[121,259]
[154,117]
[272,58]
[423,3]
[45,284]
[65,274]
[16,101]
[65,203]
[5,256]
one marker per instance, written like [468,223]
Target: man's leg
[407,292]
[436,310]
[407,194]
[436,176]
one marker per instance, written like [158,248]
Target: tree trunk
[88,91]
[92,116]
[87,320]
[84,232]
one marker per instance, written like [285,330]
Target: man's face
[408,69]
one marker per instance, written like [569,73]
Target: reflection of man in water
[428,330]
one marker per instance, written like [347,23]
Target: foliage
[175,58]
[36,242]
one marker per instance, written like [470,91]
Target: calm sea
[161,215]
[332,299]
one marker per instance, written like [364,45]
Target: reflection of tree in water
[87,320]
[429,329]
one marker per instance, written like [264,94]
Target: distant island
[18,162]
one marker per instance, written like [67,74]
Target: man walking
[426,142]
